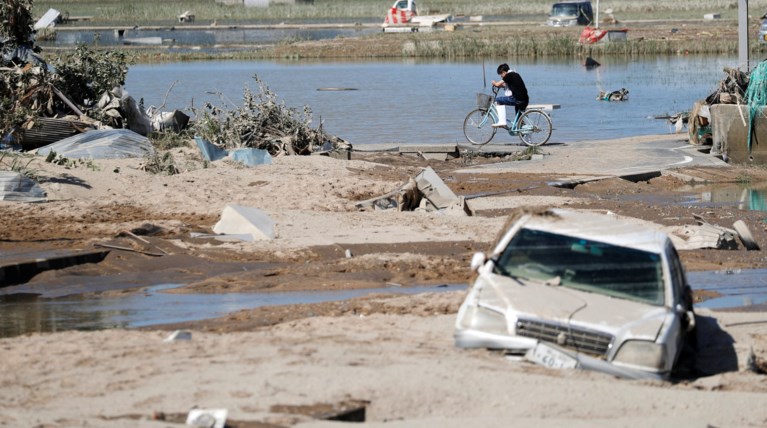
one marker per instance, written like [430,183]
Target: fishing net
[756,97]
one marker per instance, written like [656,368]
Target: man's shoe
[499,125]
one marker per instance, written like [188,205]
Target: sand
[392,355]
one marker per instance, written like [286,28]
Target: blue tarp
[247,156]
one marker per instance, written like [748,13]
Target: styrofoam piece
[179,335]
[207,418]
[250,224]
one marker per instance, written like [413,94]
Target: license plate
[551,357]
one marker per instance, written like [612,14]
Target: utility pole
[743,64]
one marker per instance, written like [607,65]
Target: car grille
[574,338]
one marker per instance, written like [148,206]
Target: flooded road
[20,315]
[413,101]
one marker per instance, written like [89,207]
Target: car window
[586,265]
[564,9]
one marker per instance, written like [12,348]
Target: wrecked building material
[704,236]
[174,120]
[42,131]
[745,236]
[101,144]
[244,224]
[621,94]
[15,187]
[426,192]
[49,19]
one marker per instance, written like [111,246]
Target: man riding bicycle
[515,94]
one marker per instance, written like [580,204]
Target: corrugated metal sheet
[102,144]
[50,130]
[17,188]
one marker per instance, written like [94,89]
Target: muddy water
[743,196]
[20,315]
[738,289]
[412,101]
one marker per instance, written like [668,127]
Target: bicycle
[532,126]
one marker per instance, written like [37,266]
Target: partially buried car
[580,289]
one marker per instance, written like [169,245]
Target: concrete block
[729,129]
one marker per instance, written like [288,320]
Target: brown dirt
[215,268]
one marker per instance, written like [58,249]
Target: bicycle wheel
[535,128]
[477,127]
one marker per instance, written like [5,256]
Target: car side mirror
[477,260]
[688,317]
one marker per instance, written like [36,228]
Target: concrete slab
[18,268]
[729,131]
[623,157]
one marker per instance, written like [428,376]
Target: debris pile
[621,94]
[262,122]
[83,90]
[731,90]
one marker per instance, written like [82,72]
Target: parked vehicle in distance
[763,29]
[568,13]
[580,289]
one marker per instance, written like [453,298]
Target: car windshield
[564,9]
[591,266]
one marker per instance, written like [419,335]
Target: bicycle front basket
[484,101]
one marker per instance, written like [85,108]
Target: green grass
[164,11]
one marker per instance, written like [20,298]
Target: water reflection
[743,197]
[25,314]
[411,101]
[739,288]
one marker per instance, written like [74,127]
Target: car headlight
[642,353]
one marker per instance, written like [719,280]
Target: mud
[215,268]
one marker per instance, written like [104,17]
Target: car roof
[607,228]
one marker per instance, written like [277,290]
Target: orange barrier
[591,35]
[398,16]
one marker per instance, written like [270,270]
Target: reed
[153,11]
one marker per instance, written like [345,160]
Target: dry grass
[152,11]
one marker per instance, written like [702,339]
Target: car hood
[534,300]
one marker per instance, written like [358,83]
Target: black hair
[502,68]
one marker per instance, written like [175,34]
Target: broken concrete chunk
[244,224]
[745,235]
[425,192]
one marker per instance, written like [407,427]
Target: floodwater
[748,196]
[202,39]
[738,289]
[24,315]
[413,101]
